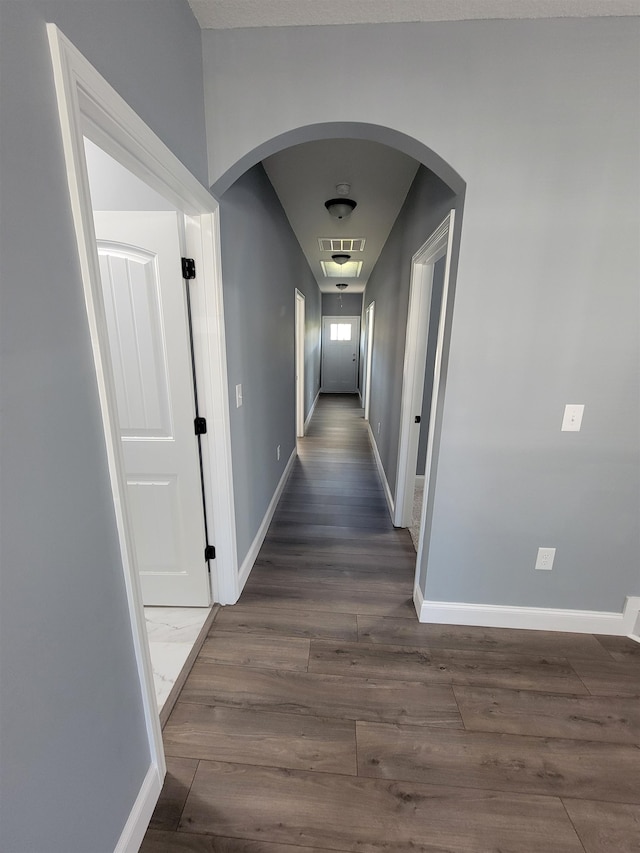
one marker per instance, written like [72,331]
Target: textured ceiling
[305,176]
[227,14]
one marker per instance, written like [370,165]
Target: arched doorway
[455,185]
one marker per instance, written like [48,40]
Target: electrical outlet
[544,561]
[572,420]
[378,427]
[238,396]
[278,451]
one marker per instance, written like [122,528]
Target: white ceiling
[305,176]
[227,14]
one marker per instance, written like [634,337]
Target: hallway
[320,715]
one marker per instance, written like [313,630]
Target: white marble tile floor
[414,527]
[172,633]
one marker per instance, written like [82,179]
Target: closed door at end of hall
[340,340]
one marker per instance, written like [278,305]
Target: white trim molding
[381,471]
[300,339]
[89,107]
[418,601]
[631,617]
[140,815]
[369,322]
[203,244]
[254,550]
[312,410]
[439,244]
[536,618]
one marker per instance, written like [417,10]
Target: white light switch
[238,396]
[572,420]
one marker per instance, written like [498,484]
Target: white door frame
[299,361]
[368,356]
[437,246]
[89,106]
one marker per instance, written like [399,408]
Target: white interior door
[340,342]
[143,289]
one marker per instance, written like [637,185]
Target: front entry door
[340,345]
[139,254]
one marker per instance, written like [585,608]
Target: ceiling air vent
[341,244]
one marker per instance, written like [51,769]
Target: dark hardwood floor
[321,716]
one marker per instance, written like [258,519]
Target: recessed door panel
[153,502]
[145,308]
[131,289]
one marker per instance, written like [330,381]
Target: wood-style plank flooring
[321,716]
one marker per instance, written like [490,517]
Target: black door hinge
[200,426]
[209,552]
[417,419]
[188,268]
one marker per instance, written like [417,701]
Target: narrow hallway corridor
[320,715]
[331,545]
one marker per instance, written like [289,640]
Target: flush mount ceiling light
[341,286]
[331,269]
[340,258]
[340,208]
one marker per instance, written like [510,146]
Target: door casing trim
[438,245]
[299,341]
[89,106]
[369,315]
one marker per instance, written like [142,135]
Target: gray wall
[541,120]
[73,742]
[262,264]
[428,202]
[350,306]
[432,340]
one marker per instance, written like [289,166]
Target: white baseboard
[631,617]
[418,601]
[311,411]
[381,472]
[140,815]
[254,550]
[536,618]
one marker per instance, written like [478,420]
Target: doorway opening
[293,162]
[146,305]
[90,108]
[422,378]
[369,318]
[299,362]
